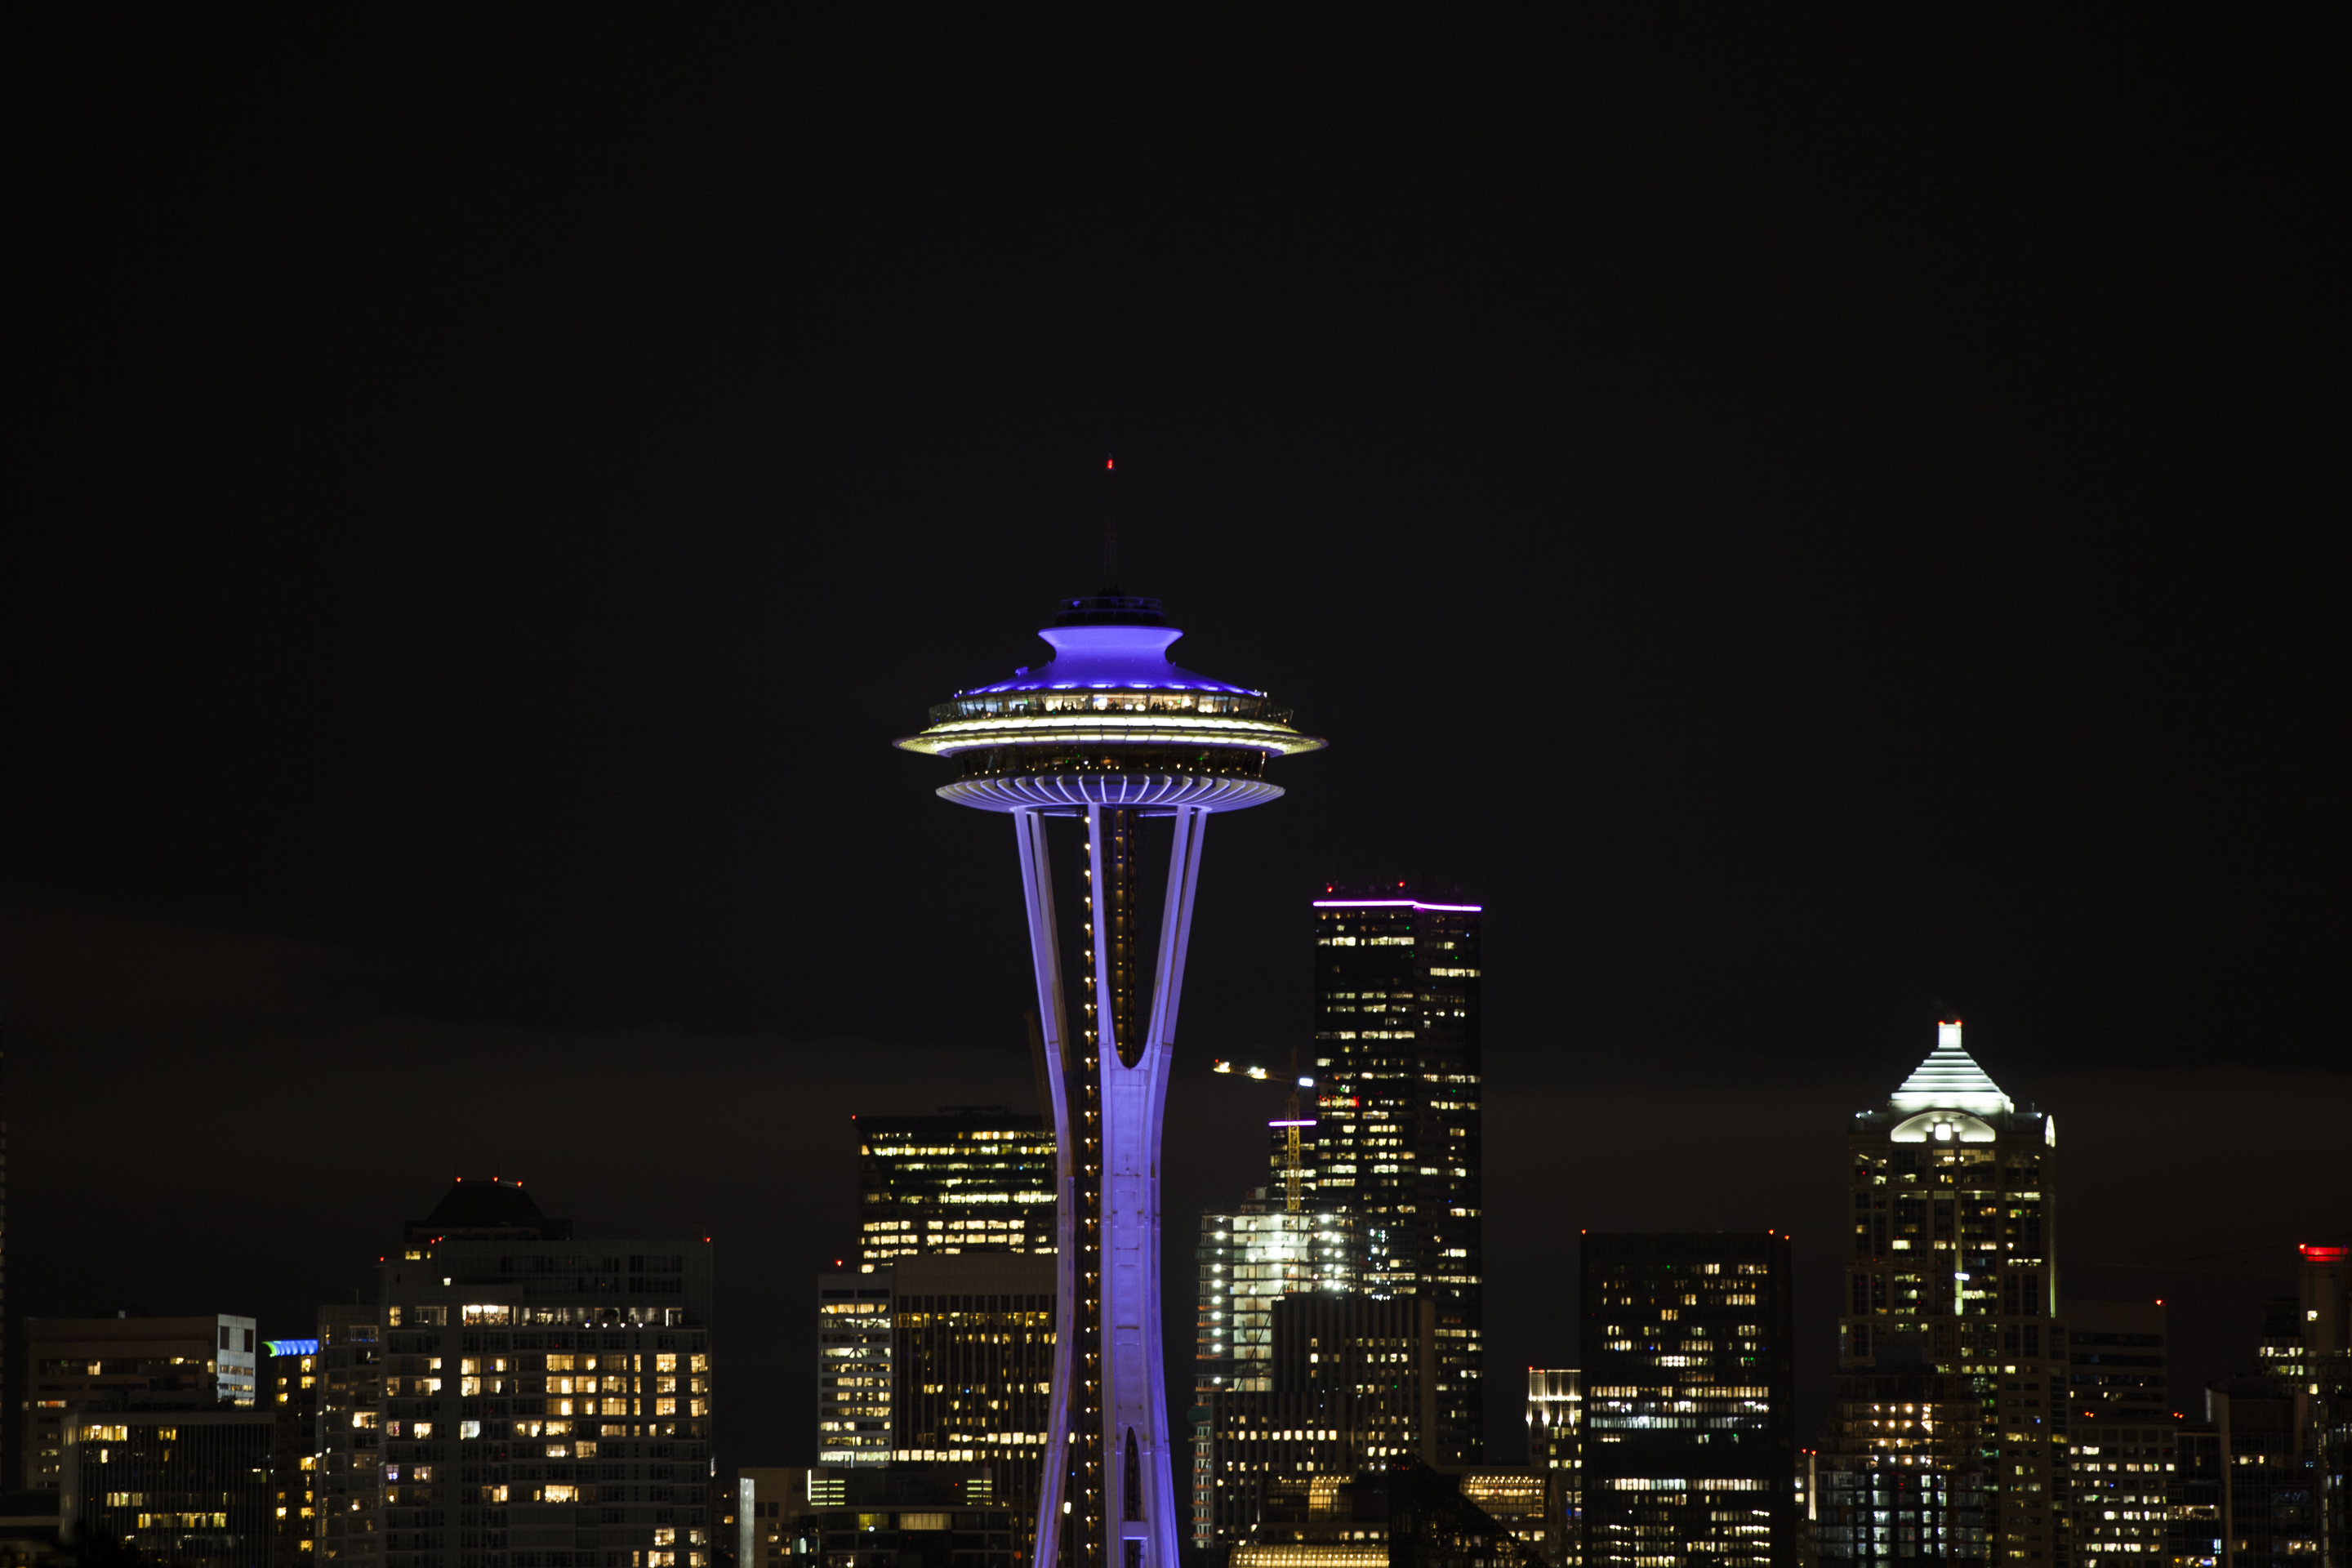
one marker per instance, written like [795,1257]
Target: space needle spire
[1134,755]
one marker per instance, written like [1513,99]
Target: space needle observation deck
[1137,752]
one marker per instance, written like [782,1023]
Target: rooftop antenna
[1110,531]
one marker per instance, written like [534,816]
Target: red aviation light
[1107,465]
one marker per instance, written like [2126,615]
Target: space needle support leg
[1143,1528]
[1168,990]
[1045,957]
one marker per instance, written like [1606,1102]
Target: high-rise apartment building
[975,1178]
[534,1394]
[296,1401]
[1555,1451]
[1689,1413]
[1351,1386]
[350,1434]
[1952,1362]
[1399,1140]
[945,1360]
[127,1363]
[1248,1259]
[187,1486]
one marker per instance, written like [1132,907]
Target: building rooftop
[1949,1079]
[488,1211]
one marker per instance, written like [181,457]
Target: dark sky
[1815,522]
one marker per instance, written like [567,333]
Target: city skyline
[1818,525]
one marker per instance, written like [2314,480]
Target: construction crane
[1293,1163]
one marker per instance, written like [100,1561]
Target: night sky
[1816,523]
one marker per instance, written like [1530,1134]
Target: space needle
[1136,753]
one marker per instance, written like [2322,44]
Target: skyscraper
[1399,1144]
[350,1457]
[1351,1387]
[1112,735]
[944,1359]
[2270,1502]
[2324,1292]
[1689,1386]
[975,1178]
[2122,1447]
[1951,1420]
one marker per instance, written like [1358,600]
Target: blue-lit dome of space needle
[1110,720]
[1111,732]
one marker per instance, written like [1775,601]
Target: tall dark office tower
[2122,1436]
[1351,1386]
[1951,1419]
[1397,1050]
[2326,1292]
[1689,1410]
[538,1391]
[946,1360]
[973,1178]
[2269,1497]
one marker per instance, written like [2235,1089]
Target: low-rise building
[913,1514]
[124,1363]
[184,1487]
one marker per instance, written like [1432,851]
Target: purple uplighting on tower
[1109,733]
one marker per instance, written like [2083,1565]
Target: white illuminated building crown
[1949,1079]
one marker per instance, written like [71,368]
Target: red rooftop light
[2322,1254]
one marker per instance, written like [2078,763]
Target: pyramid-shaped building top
[1949,1079]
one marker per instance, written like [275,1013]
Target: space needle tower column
[1137,754]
